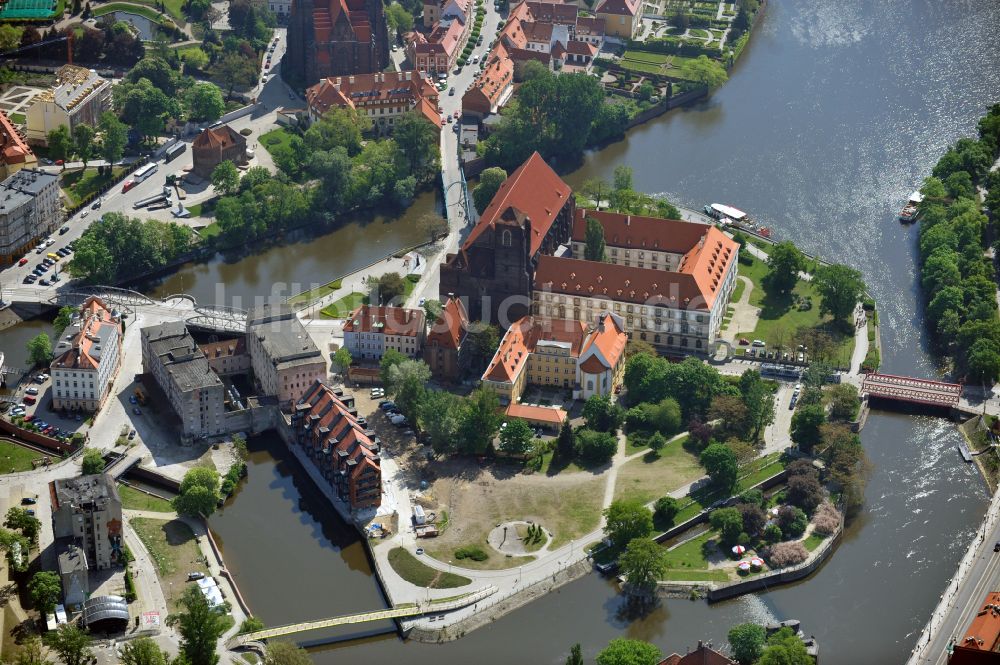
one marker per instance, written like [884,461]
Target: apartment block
[29,211]
[284,359]
[80,96]
[370,331]
[87,358]
[87,511]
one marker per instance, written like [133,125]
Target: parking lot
[48,257]
[34,393]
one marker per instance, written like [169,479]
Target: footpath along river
[837,110]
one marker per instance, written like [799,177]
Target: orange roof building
[559,353]
[622,18]
[87,358]
[530,215]
[445,344]
[216,145]
[346,452]
[383,97]
[703,655]
[15,154]
[370,331]
[669,280]
[981,642]
[493,87]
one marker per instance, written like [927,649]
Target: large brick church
[531,215]
[335,38]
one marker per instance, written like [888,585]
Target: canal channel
[836,111]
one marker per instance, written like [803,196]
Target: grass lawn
[780,318]
[651,476]
[715,575]
[172,546]
[81,183]
[341,308]
[691,555]
[415,572]
[133,499]
[698,32]
[522,533]
[210,231]
[649,58]
[750,475]
[642,67]
[275,138]
[680,68]
[173,8]
[318,292]
[550,469]
[813,541]
[635,442]
[14,458]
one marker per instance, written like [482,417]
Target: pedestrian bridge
[914,391]
[400,612]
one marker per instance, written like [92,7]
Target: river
[836,111]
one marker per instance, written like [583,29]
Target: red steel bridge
[915,391]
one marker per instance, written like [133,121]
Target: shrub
[793,521]
[826,520]
[785,554]
[413,278]
[596,447]
[805,492]
[753,497]
[473,552]
[772,533]
[246,131]
[666,508]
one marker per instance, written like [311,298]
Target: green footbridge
[400,612]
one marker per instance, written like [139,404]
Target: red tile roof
[983,633]
[553,12]
[619,7]
[386,320]
[450,328]
[533,189]
[219,137]
[96,322]
[521,340]
[590,25]
[13,148]
[395,88]
[546,414]
[645,286]
[633,231]
[607,344]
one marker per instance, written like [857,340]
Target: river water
[837,110]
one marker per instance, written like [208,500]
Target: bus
[144,172]
[175,150]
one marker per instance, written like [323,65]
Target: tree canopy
[594,249]
[199,492]
[626,520]
[784,262]
[621,651]
[489,182]
[841,289]
[200,627]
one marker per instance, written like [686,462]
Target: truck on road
[150,200]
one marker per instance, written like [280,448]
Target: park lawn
[750,474]
[341,308]
[550,469]
[210,231]
[313,294]
[174,550]
[275,138]
[780,318]
[635,442]
[79,184]
[698,33]
[419,574]
[691,554]
[813,541]
[141,10]
[714,575]
[738,290]
[174,8]
[652,476]
[133,499]
[680,68]
[642,67]
[522,533]
[15,458]
[649,58]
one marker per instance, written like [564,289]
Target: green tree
[10,37]
[566,441]
[93,462]
[205,102]
[63,319]
[71,643]
[721,466]
[398,18]
[45,590]
[785,648]
[391,288]
[143,651]
[841,289]
[575,657]
[626,520]
[194,59]
[666,508]
[83,142]
[390,359]
[407,380]
[595,447]
[226,178]
[60,143]
[157,71]
[806,426]
[489,182]
[707,72]
[418,140]
[439,419]
[784,264]
[656,442]
[594,249]
[40,349]
[844,401]
[479,421]
[200,627]
[515,437]
[601,414]
[342,360]
[621,651]
[729,523]
[285,653]
[746,641]
[30,652]
[251,625]
[483,341]
[20,519]
[145,107]
[643,563]
[759,401]
[114,136]
[237,71]
[199,493]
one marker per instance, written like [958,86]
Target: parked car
[64,229]
[23,261]
[30,512]
[97,204]
[28,501]
[759,342]
[195,576]
[387,405]
[132,399]
[136,411]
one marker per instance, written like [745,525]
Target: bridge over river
[913,391]
[400,612]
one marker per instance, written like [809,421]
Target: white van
[759,342]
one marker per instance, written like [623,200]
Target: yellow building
[80,96]
[621,17]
